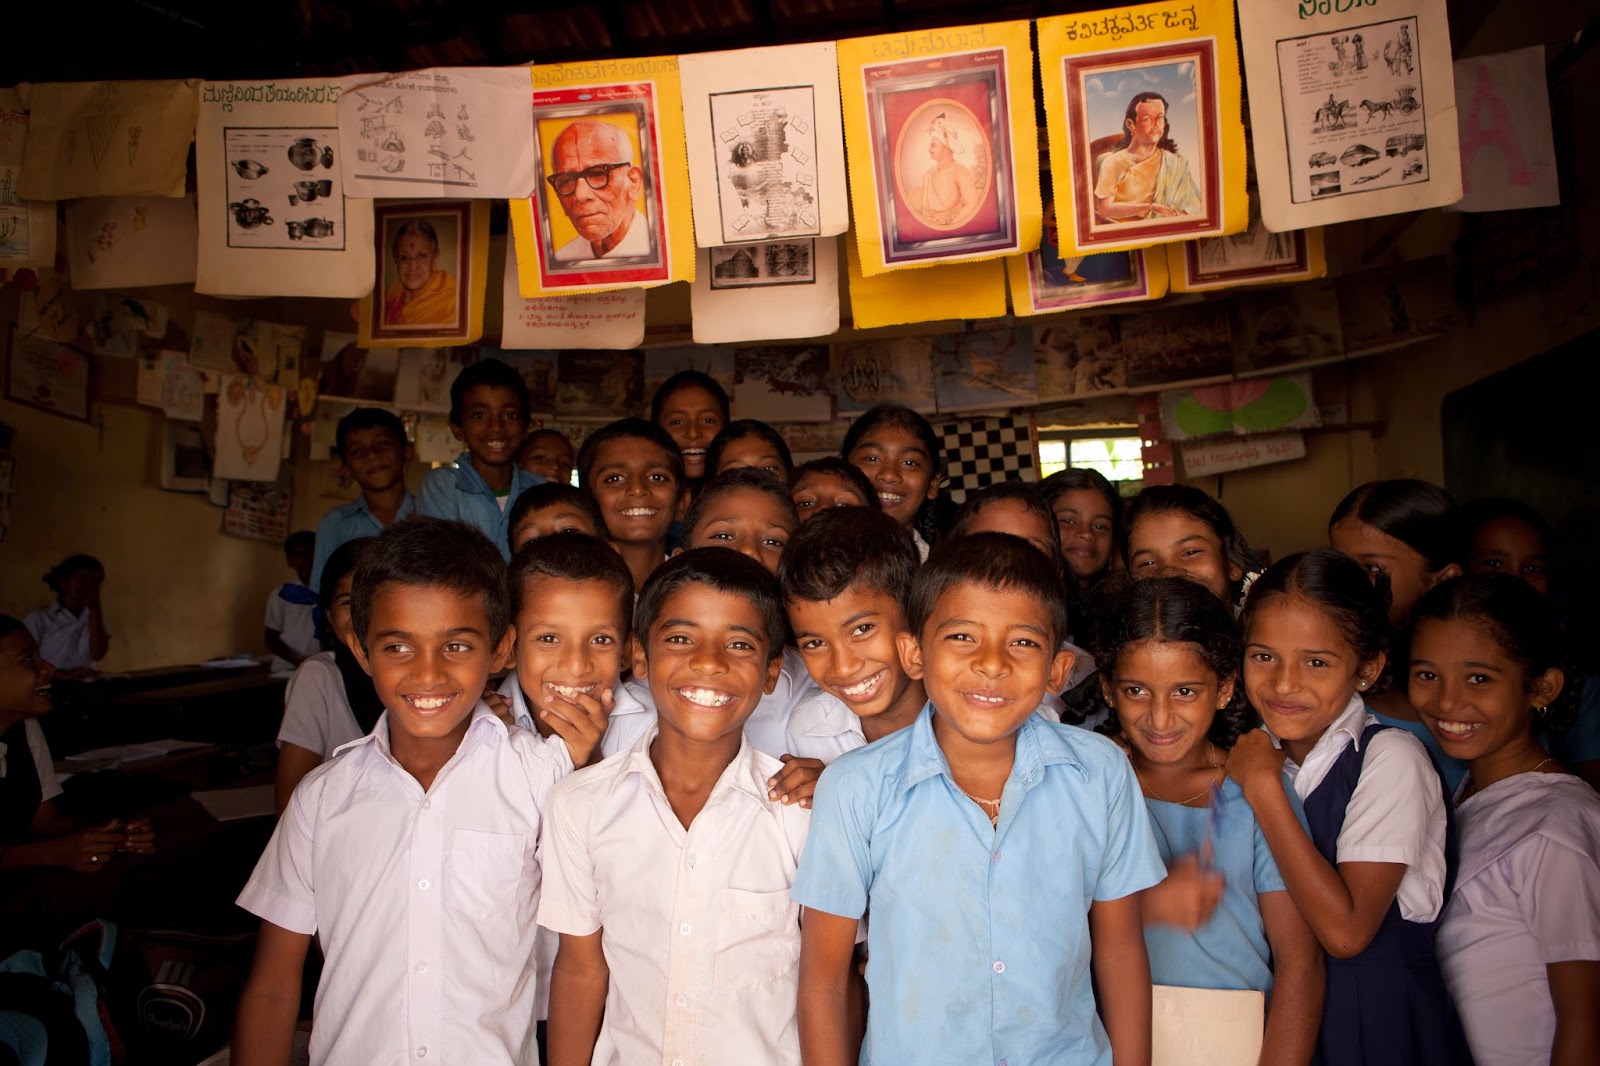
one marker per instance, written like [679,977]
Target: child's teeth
[429,703]
[638,512]
[706,697]
[571,690]
[1459,729]
[862,687]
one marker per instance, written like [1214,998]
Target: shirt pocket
[486,871]
[758,938]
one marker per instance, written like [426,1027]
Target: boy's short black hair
[550,494]
[368,418]
[845,548]
[1025,494]
[341,563]
[724,570]
[740,477]
[849,473]
[572,557]
[432,553]
[622,429]
[993,561]
[748,427]
[300,540]
[490,372]
[689,379]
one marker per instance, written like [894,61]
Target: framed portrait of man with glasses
[597,213]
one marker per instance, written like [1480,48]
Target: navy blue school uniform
[1386,1006]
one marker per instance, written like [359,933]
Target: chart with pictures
[746,266]
[766,149]
[284,188]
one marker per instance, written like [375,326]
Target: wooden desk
[233,708]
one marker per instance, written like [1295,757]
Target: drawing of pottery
[249,168]
[296,230]
[325,187]
[250,214]
[307,190]
[318,227]
[327,158]
[303,153]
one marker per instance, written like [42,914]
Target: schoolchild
[548,453]
[370,447]
[830,482]
[554,507]
[903,459]
[636,475]
[750,442]
[291,628]
[71,632]
[1179,530]
[1088,515]
[692,408]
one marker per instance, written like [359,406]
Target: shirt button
[1002,1062]
[683,1000]
[424,884]
[997,856]
[426,804]
[677,1062]
[422,967]
[999,967]
[693,859]
[685,929]
[422,1051]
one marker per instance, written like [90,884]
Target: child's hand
[140,838]
[580,721]
[1255,761]
[90,850]
[500,705]
[796,782]
[1186,898]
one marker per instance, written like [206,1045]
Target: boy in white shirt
[412,855]
[668,866]
[291,625]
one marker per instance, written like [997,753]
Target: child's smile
[633,482]
[570,641]
[707,662]
[848,644]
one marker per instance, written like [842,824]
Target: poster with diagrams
[455,132]
[765,145]
[776,290]
[1353,115]
[275,215]
[108,138]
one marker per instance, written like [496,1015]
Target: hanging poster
[890,370]
[352,372]
[1508,151]
[185,457]
[120,323]
[258,512]
[612,319]
[250,420]
[783,383]
[1352,109]
[1260,405]
[661,363]
[425,376]
[1297,325]
[432,267]
[984,368]
[27,227]
[436,443]
[778,290]
[1076,358]
[1143,107]
[124,242]
[944,144]
[611,209]
[47,375]
[1256,256]
[765,144]
[450,132]
[107,138]
[812,440]
[599,384]
[273,190]
[935,294]
[1175,345]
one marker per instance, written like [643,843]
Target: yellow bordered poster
[1043,283]
[1144,109]
[432,270]
[611,209]
[943,145]
[940,292]
[1255,257]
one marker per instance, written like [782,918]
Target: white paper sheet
[612,319]
[273,191]
[27,227]
[1508,152]
[249,430]
[765,142]
[128,241]
[778,290]
[108,138]
[455,132]
[1352,109]
[1206,1026]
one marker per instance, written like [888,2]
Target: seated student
[750,442]
[830,482]
[1222,918]
[845,578]
[692,408]
[554,507]
[547,453]
[34,831]
[330,700]
[413,855]
[71,633]
[489,414]
[370,445]
[903,459]
[635,473]
[1000,855]
[1519,942]
[290,626]
[667,868]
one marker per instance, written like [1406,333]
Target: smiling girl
[900,454]
[1179,531]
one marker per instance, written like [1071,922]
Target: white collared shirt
[768,726]
[423,902]
[1396,813]
[39,753]
[62,636]
[316,711]
[698,929]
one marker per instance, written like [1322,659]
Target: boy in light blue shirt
[370,445]
[1000,855]
[489,414]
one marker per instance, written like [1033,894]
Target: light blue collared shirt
[460,493]
[347,522]
[978,947]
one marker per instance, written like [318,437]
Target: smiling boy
[635,472]
[369,445]
[489,414]
[412,854]
[667,867]
[1000,854]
